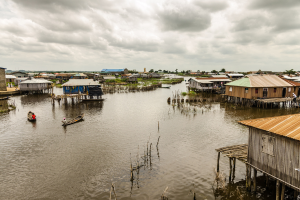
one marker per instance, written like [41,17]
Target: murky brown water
[44,160]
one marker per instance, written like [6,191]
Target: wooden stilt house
[274,148]
[83,86]
[257,87]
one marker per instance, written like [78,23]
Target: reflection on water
[44,160]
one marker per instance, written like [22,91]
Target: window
[256,90]
[67,88]
[246,90]
[27,85]
[230,89]
[275,89]
[289,89]
[268,143]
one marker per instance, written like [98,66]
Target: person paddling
[33,116]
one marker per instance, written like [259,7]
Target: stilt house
[35,85]
[83,86]
[256,87]
[207,83]
[274,148]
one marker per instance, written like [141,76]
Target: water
[44,160]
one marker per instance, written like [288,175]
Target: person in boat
[64,121]
[33,116]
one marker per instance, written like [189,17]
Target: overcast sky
[238,35]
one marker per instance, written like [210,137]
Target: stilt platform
[236,151]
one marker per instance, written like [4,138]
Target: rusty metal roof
[268,81]
[286,125]
[293,83]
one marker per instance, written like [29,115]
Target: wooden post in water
[254,180]
[277,190]
[230,168]
[233,170]
[218,163]
[295,194]
[267,181]
[282,191]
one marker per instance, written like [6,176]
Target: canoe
[5,98]
[167,87]
[29,117]
[75,120]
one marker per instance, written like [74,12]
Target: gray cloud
[252,21]
[212,5]
[184,17]
[273,4]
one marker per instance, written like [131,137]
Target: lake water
[44,160]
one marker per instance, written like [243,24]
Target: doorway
[265,92]
[298,92]
[283,92]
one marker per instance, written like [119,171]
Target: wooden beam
[277,190]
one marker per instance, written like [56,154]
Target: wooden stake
[282,191]
[277,190]
[230,168]
[295,194]
[254,180]
[233,170]
[218,163]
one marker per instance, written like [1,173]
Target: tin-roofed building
[35,85]
[274,148]
[114,71]
[2,79]
[10,78]
[207,83]
[253,87]
[19,74]
[83,86]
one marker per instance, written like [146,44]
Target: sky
[205,35]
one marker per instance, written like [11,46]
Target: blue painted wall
[75,89]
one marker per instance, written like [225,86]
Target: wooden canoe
[29,117]
[75,120]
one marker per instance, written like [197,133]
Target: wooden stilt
[277,190]
[218,163]
[254,180]
[233,170]
[282,191]
[230,168]
[295,194]
[267,181]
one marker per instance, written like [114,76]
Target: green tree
[151,70]
[176,71]
[289,72]
[223,70]
[214,71]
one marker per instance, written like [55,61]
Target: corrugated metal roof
[112,70]
[243,82]
[293,83]
[235,74]
[268,81]
[80,82]
[35,81]
[287,125]
[10,76]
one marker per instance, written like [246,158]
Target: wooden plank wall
[240,92]
[285,160]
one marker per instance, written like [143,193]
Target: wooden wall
[285,160]
[238,91]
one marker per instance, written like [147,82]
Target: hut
[208,83]
[10,78]
[19,74]
[83,86]
[257,87]
[2,79]
[80,76]
[35,85]
[274,149]
[235,76]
